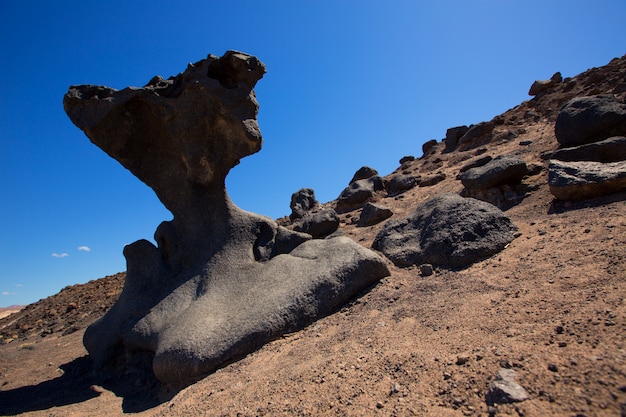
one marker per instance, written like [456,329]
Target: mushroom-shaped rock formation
[222,281]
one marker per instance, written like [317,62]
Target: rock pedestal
[221,281]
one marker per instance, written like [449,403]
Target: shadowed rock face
[222,281]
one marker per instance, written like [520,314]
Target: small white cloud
[60,255]
[5,293]
[19,285]
[84,248]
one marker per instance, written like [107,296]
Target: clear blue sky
[349,83]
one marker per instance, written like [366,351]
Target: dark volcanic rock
[475,163]
[215,288]
[504,169]
[540,86]
[363,173]
[448,231]
[373,214]
[400,183]
[428,147]
[477,135]
[302,201]
[318,224]
[590,119]
[405,159]
[585,179]
[358,193]
[608,150]
[452,137]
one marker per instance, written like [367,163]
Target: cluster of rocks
[495,180]
[592,158]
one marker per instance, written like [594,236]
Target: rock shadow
[561,206]
[79,383]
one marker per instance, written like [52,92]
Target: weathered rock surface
[585,179]
[540,86]
[363,173]
[452,137]
[222,281]
[318,224]
[590,119]
[504,169]
[504,389]
[429,147]
[374,214]
[358,193]
[401,183]
[608,150]
[475,163]
[302,201]
[448,231]
[476,135]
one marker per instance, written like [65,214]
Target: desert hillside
[549,307]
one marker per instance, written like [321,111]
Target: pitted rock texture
[448,231]
[590,119]
[581,180]
[222,281]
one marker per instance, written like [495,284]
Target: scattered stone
[504,169]
[462,359]
[540,86]
[504,389]
[525,142]
[428,147]
[608,150]
[475,163]
[426,270]
[584,179]
[400,183]
[302,201]
[215,288]
[363,173]
[432,179]
[358,193]
[406,159]
[552,367]
[590,119]
[448,231]
[452,137]
[476,135]
[373,214]
[318,224]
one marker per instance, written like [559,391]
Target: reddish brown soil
[550,306]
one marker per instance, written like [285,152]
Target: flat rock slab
[448,231]
[504,169]
[585,179]
[608,150]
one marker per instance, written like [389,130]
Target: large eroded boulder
[590,119]
[222,281]
[448,230]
